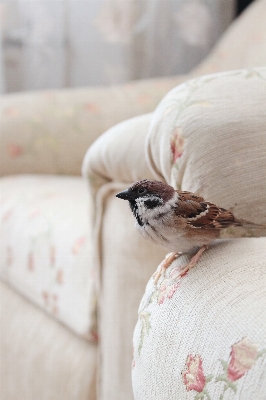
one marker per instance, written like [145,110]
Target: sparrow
[177,220]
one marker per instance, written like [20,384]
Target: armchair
[213,145]
[55,266]
[48,302]
[141,148]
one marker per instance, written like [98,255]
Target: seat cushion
[40,358]
[46,246]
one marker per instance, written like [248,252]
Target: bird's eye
[142,190]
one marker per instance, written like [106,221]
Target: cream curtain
[63,43]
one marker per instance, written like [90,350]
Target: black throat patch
[134,209]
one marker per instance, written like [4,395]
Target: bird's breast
[176,238]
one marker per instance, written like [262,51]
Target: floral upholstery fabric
[50,131]
[204,336]
[207,135]
[215,145]
[46,246]
[40,358]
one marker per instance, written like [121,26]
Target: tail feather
[248,224]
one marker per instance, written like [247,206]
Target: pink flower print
[49,93]
[177,144]
[243,356]
[167,289]
[92,108]
[55,310]
[52,255]
[51,302]
[46,297]
[34,213]
[129,86]
[51,195]
[60,277]
[14,150]
[144,99]
[169,285]
[30,264]
[11,111]
[133,360]
[78,244]
[9,256]
[55,297]
[193,375]
[172,289]
[7,215]
[93,336]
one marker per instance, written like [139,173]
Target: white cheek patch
[163,209]
[143,211]
[156,221]
[147,215]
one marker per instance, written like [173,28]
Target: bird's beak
[126,195]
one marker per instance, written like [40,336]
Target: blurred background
[46,44]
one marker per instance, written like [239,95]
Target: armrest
[49,131]
[208,136]
[119,154]
[195,333]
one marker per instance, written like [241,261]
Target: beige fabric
[243,44]
[119,154]
[208,136]
[127,263]
[41,359]
[50,131]
[101,169]
[203,318]
[46,246]
[117,290]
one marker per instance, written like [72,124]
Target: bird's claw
[194,260]
[170,257]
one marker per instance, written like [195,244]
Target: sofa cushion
[204,335]
[40,358]
[46,246]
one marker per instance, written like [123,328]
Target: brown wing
[189,196]
[203,214]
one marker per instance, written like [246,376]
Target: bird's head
[144,196]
